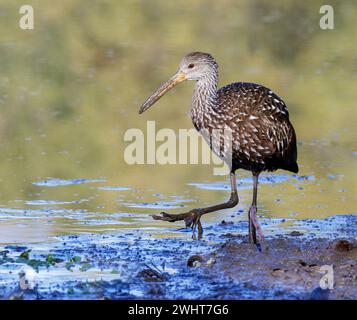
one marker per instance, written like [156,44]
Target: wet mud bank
[138,265]
[289,268]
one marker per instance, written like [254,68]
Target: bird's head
[194,66]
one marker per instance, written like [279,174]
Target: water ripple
[54,182]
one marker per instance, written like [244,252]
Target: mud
[289,268]
[137,265]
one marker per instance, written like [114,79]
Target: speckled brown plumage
[263,138]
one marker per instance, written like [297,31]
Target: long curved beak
[168,85]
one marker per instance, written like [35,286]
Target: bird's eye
[191,65]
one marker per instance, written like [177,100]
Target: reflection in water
[72,87]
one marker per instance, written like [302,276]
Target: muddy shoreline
[136,265]
[289,268]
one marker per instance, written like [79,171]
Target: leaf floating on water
[76,259]
[72,261]
[25,254]
[69,266]
[52,260]
[86,266]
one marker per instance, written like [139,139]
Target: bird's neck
[204,100]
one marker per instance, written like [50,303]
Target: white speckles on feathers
[258,118]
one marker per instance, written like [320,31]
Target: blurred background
[71,87]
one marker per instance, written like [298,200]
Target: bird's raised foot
[169,217]
[191,218]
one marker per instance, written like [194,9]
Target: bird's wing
[240,100]
[260,119]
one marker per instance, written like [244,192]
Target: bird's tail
[292,166]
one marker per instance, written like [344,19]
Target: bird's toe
[163,216]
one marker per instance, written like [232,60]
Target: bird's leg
[254,226]
[192,217]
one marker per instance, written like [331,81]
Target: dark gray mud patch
[289,268]
[224,265]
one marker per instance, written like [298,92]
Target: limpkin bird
[263,139]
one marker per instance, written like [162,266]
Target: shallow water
[99,204]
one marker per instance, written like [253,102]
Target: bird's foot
[169,216]
[191,218]
[255,227]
